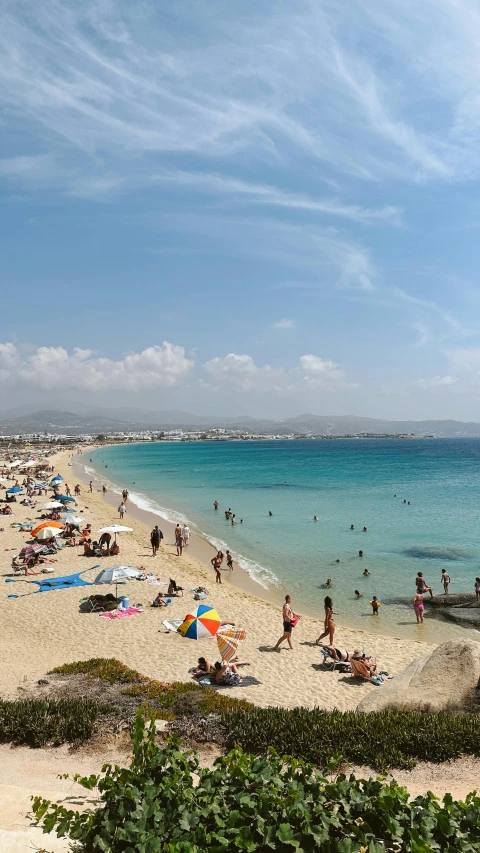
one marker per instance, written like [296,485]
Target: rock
[469,616]
[453,599]
[446,678]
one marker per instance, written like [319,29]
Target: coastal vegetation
[165,801]
[42,722]
[382,740]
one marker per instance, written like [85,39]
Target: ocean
[418,498]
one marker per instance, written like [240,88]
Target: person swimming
[352,527]
[366,573]
[315,517]
[360,553]
[358,594]
[270,512]
[364,529]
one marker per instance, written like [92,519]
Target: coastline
[199,548]
[40,632]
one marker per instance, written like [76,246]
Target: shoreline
[199,548]
[43,631]
[439,627]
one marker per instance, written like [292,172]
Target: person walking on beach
[418,606]
[186,534]
[477,590]
[179,540]
[90,487]
[422,585]
[329,624]
[288,623]
[217,565]
[229,560]
[155,537]
[67,490]
[122,510]
[125,496]
[445,579]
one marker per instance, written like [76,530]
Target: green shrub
[37,722]
[257,805]
[380,739]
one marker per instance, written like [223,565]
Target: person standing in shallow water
[288,617]
[418,607]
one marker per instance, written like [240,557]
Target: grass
[42,722]
[173,698]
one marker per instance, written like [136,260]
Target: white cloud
[436,382]
[243,374]
[285,324]
[50,368]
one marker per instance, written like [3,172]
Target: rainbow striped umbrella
[204,621]
[228,640]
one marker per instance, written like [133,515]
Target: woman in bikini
[418,606]
[329,624]
[217,565]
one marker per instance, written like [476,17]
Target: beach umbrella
[124,571]
[72,519]
[116,528]
[113,575]
[14,490]
[203,621]
[15,464]
[65,498]
[57,479]
[53,505]
[47,533]
[58,524]
[228,640]
[32,549]
[28,464]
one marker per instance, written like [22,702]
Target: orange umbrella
[48,524]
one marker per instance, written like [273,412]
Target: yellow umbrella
[228,640]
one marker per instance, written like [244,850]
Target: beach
[43,630]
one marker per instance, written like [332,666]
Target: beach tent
[203,621]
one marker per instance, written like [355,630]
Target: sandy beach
[40,631]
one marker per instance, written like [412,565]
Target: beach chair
[98,603]
[361,670]
[331,663]
[173,589]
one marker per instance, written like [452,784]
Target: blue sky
[241,208]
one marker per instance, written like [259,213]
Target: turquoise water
[343,482]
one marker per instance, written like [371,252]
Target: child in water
[375,605]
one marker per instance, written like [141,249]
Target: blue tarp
[48,584]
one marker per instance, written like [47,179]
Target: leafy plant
[244,803]
[37,722]
[380,739]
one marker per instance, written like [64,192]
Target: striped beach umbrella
[228,640]
[202,622]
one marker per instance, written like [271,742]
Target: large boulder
[447,678]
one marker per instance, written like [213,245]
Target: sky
[241,208]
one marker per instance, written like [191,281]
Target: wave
[260,574]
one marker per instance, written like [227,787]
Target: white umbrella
[116,528]
[72,519]
[112,575]
[28,464]
[15,464]
[53,505]
[48,532]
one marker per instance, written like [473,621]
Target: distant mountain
[98,420]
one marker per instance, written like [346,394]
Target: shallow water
[343,482]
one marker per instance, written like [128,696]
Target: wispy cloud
[243,374]
[285,324]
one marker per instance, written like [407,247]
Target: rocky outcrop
[445,679]
[454,599]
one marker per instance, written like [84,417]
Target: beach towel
[172,624]
[117,614]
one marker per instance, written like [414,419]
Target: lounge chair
[332,663]
[173,589]
[361,670]
[98,603]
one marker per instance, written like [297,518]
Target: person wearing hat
[367,661]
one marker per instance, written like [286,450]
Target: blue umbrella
[65,498]
[14,490]
[56,479]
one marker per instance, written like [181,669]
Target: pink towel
[116,614]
